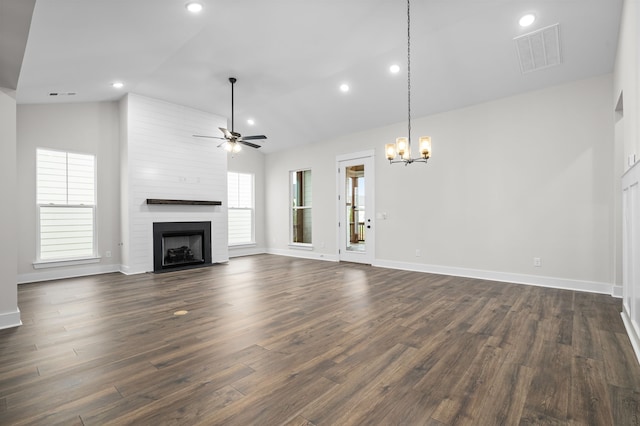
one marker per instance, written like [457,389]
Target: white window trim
[243,245]
[292,244]
[43,264]
[94,258]
[301,246]
[251,243]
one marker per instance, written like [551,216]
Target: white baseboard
[61,273]
[535,280]
[304,254]
[617,291]
[10,319]
[631,332]
[124,269]
[552,282]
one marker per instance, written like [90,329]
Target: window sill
[242,245]
[301,246]
[42,264]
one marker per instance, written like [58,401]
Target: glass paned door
[356,210]
[355,198]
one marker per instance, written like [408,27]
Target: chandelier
[400,152]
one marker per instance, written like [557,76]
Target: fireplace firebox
[181,245]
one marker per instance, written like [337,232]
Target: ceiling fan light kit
[233,140]
[232,147]
[400,152]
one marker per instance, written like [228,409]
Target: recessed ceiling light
[117,85]
[344,87]
[194,7]
[395,69]
[250,122]
[527,20]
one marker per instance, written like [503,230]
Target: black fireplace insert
[181,245]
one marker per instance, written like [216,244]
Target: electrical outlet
[107,253]
[537,262]
[418,253]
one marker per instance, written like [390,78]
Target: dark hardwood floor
[272,340]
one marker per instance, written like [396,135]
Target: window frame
[292,208]
[252,209]
[71,260]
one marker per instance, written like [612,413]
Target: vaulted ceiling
[291,56]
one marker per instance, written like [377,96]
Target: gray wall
[9,313]
[627,83]
[513,179]
[91,128]
[625,99]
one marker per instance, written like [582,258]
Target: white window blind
[66,204]
[240,199]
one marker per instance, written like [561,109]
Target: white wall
[513,179]
[164,160]
[626,87]
[91,128]
[9,312]
[251,161]
[627,138]
[627,82]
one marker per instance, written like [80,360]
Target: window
[240,194]
[66,198]
[301,207]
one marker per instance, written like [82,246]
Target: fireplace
[181,245]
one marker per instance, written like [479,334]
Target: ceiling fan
[232,139]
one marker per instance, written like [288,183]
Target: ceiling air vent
[539,49]
[62,93]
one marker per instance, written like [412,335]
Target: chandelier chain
[400,152]
[409,67]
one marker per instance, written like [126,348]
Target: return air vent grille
[539,49]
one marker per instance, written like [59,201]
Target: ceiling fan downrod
[232,80]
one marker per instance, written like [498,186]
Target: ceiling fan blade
[227,134]
[209,137]
[252,145]
[250,138]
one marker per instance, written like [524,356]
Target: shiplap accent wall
[164,160]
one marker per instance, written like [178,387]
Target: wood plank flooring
[271,340]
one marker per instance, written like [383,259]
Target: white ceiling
[290,56]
